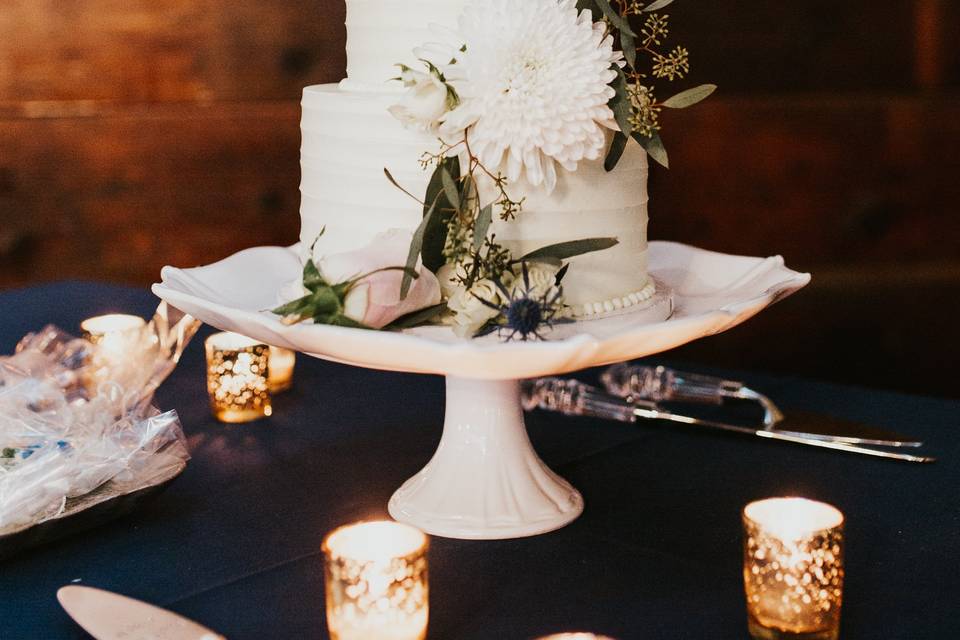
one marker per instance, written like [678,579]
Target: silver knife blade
[655,413]
[821,427]
[665,385]
[110,616]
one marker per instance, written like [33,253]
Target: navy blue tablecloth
[235,542]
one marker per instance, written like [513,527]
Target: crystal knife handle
[660,384]
[574,398]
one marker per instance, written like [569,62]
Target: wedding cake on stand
[474,205]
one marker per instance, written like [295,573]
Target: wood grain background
[138,133]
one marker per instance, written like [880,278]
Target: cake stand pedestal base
[485,481]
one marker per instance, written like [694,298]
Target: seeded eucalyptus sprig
[635,106]
[455,228]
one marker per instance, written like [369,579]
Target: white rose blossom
[541,278]
[469,314]
[427,100]
[451,278]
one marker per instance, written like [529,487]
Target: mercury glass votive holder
[121,343]
[376,582]
[793,569]
[113,332]
[238,370]
[282,362]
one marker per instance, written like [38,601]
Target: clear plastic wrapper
[76,420]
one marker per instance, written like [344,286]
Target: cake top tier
[381,33]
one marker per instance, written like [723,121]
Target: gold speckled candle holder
[238,378]
[114,331]
[793,569]
[122,342]
[282,362]
[376,582]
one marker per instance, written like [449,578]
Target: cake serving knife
[572,397]
[110,616]
[661,384]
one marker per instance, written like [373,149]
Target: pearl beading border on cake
[597,309]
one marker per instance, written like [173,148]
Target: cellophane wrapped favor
[75,419]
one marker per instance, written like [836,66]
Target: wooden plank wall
[138,133]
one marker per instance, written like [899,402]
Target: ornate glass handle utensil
[662,384]
[575,398]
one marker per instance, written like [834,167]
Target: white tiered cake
[349,137]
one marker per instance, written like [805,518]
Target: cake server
[661,384]
[572,397]
[110,616]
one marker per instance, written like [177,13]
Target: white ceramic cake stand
[485,481]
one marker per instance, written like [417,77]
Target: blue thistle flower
[525,314]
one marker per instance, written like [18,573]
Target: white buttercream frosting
[613,305]
[382,33]
[349,137]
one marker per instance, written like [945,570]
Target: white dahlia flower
[534,80]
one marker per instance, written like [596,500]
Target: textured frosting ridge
[349,137]
[347,141]
[381,33]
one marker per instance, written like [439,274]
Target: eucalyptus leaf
[435,235]
[629,46]
[416,246]
[690,97]
[614,16]
[450,188]
[482,226]
[571,249]
[435,186]
[417,318]
[617,148]
[620,103]
[551,261]
[656,6]
[654,148]
[394,182]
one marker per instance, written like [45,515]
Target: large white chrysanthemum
[534,83]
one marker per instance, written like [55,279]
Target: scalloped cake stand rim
[485,480]
[233,294]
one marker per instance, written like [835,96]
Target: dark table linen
[235,542]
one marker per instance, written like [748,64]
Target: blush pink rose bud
[375,300]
